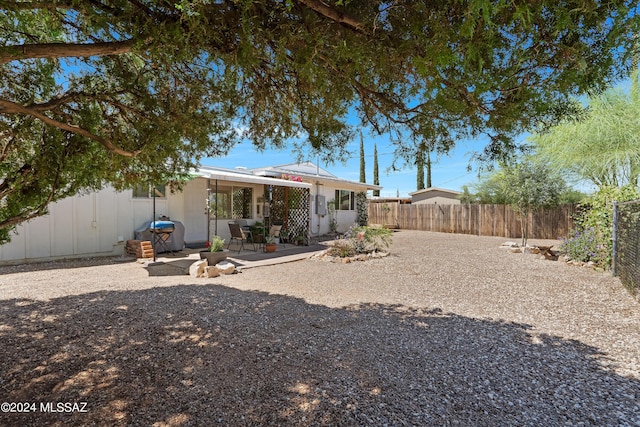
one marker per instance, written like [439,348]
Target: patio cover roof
[246,177]
[311,172]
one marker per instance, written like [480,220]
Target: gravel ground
[447,330]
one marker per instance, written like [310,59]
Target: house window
[345,200]
[144,191]
[231,202]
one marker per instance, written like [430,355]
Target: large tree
[124,91]
[528,186]
[363,174]
[603,146]
[376,178]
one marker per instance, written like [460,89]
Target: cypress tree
[376,181]
[428,164]
[420,174]
[363,177]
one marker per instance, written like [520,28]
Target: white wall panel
[62,227]
[195,218]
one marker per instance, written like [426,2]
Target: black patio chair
[238,235]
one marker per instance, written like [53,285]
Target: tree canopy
[601,147]
[495,187]
[123,91]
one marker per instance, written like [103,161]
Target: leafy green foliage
[122,92]
[342,249]
[363,175]
[601,147]
[376,180]
[493,188]
[362,208]
[217,244]
[585,246]
[597,215]
[366,239]
[420,170]
[529,186]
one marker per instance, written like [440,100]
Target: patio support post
[155,234]
[614,239]
[216,212]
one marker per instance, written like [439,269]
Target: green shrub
[596,214]
[365,239]
[217,244]
[342,249]
[585,246]
[362,208]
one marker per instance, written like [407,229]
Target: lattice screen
[290,207]
[241,198]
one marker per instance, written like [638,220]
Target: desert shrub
[342,249]
[585,246]
[365,239]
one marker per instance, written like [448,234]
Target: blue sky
[447,171]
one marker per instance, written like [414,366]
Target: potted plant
[300,239]
[270,245]
[257,232]
[284,236]
[216,251]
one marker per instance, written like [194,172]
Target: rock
[211,271]
[226,267]
[346,260]
[197,268]
[515,250]
[507,245]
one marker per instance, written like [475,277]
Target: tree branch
[8,107]
[63,50]
[338,16]
[33,5]
[71,97]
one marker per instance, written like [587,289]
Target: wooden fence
[481,220]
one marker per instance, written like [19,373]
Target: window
[231,202]
[345,200]
[144,191]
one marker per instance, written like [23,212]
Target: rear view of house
[300,197]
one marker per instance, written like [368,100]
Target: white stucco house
[99,223]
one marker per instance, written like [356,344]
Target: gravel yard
[447,330]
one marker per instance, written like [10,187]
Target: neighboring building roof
[435,189]
[310,172]
[246,176]
[399,200]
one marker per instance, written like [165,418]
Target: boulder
[197,269]
[226,267]
[507,245]
[211,271]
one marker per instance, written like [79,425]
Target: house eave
[248,178]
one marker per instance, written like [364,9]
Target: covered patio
[238,195]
